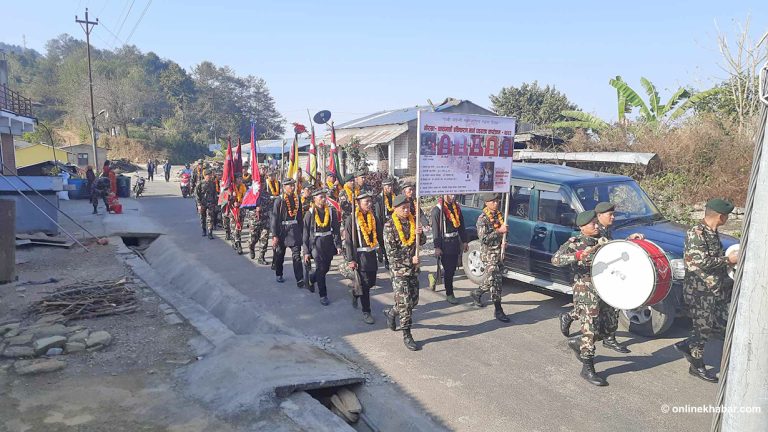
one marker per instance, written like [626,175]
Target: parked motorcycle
[184,182]
[138,188]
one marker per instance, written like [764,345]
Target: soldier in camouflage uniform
[490,230]
[206,203]
[383,209]
[400,239]
[707,287]
[605,219]
[258,221]
[595,315]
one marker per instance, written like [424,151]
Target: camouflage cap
[603,207]
[585,217]
[320,191]
[364,195]
[400,200]
[720,205]
[490,197]
[348,178]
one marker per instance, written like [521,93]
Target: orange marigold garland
[350,194]
[399,227]
[496,219]
[367,226]
[452,214]
[290,204]
[274,189]
[326,219]
[388,202]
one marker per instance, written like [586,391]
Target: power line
[104,6]
[104,26]
[125,17]
[137,22]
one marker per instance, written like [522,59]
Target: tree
[581,120]
[531,103]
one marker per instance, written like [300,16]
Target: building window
[82,158]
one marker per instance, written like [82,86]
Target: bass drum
[631,274]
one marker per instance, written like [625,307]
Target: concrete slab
[249,372]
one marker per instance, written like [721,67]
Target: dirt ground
[128,386]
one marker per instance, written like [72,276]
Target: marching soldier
[409,190]
[237,224]
[605,219]
[400,235]
[258,218]
[206,202]
[198,173]
[353,185]
[322,240]
[593,312]
[450,240]
[334,188]
[360,252]
[306,197]
[384,209]
[706,287]
[490,230]
[287,231]
[247,179]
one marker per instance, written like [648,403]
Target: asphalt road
[473,373]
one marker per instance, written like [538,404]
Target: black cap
[348,178]
[360,173]
[720,205]
[289,182]
[399,200]
[603,207]
[387,181]
[585,217]
[409,184]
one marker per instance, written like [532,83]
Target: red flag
[228,175]
[252,196]
[237,161]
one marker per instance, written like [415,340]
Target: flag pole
[418,156]
[506,215]
[282,161]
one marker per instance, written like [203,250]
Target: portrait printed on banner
[428,143]
[507,146]
[486,176]
[460,145]
[444,146]
[492,146]
[476,148]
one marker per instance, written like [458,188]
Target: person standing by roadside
[167,170]
[90,178]
[150,170]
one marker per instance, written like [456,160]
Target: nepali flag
[237,161]
[228,176]
[333,163]
[335,204]
[252,195]
[311,168]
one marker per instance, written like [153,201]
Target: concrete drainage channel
[255,366]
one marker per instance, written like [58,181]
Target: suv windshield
[630,200]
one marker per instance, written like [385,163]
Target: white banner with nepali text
[464,153]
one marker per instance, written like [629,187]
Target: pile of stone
[45,340]
[345,404]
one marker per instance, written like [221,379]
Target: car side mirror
[568,219]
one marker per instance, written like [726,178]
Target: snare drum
[630,274]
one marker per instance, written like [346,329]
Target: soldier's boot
[355,299]
[698,370]
[685,350]
[589,374]
[210,233]
[498,312]
[565,323]
[261,259]
[610,342]
[239,247]
[477,298]
[252,252]
[574,343]
[409,342]
[386,262]
[205,232]
[391,323]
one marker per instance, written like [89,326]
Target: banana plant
[654,112]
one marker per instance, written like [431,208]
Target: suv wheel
[650,321]
[473,266]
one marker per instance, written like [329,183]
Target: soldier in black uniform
[321,241]
[384,209]
[361,245]
[287,230]
[450,240]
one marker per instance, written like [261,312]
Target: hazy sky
[358,57]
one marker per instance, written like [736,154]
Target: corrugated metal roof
[398,116]
[276,146]
[614,157]
[370,136]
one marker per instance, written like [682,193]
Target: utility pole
[87,28]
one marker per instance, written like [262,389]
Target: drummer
[592,311]
[605,219]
